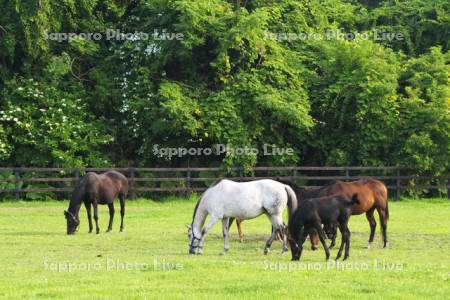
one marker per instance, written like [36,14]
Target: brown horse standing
[372,195]
[94,189]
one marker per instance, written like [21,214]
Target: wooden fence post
[188,182]
[398,184]
[294,175]
[17,183]
[131,181]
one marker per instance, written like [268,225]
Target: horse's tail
[292,200]
[381,194]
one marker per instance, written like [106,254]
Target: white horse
[241,200]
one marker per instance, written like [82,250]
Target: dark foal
[372,195]
[94,189]
[312,213]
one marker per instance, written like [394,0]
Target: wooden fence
[20,181]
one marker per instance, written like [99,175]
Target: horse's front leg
[89,215]
[95,205]
[333,238]
[208,226]
[333,241]
[111,216]
[226,244]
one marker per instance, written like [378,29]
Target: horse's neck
[74,205]
[198,221]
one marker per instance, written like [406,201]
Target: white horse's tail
[292,200]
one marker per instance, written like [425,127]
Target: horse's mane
[200,199]
[195,209]
[215,182]
[80,188]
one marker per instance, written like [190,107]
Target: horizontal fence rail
[22,181]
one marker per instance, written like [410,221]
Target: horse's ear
[65,212]
[188,226]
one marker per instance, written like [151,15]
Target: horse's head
[314,239]
[72,222]
[295,249]
[193,240]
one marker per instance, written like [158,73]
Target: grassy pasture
[150,261]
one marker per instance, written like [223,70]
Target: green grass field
[150,259]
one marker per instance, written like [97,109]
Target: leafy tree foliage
[336,101]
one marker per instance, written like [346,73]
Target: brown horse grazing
[94,189]
[241,236]
[372,195]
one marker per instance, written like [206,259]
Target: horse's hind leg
[322,239]
[383,221]
[226,244]
[122,210]
[277,227]
[373,225]
[95,205]
[238,224]
[89,215]
[111,216]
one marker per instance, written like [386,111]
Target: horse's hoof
[369,245]
[386,245]
[222,253]
[266,251]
